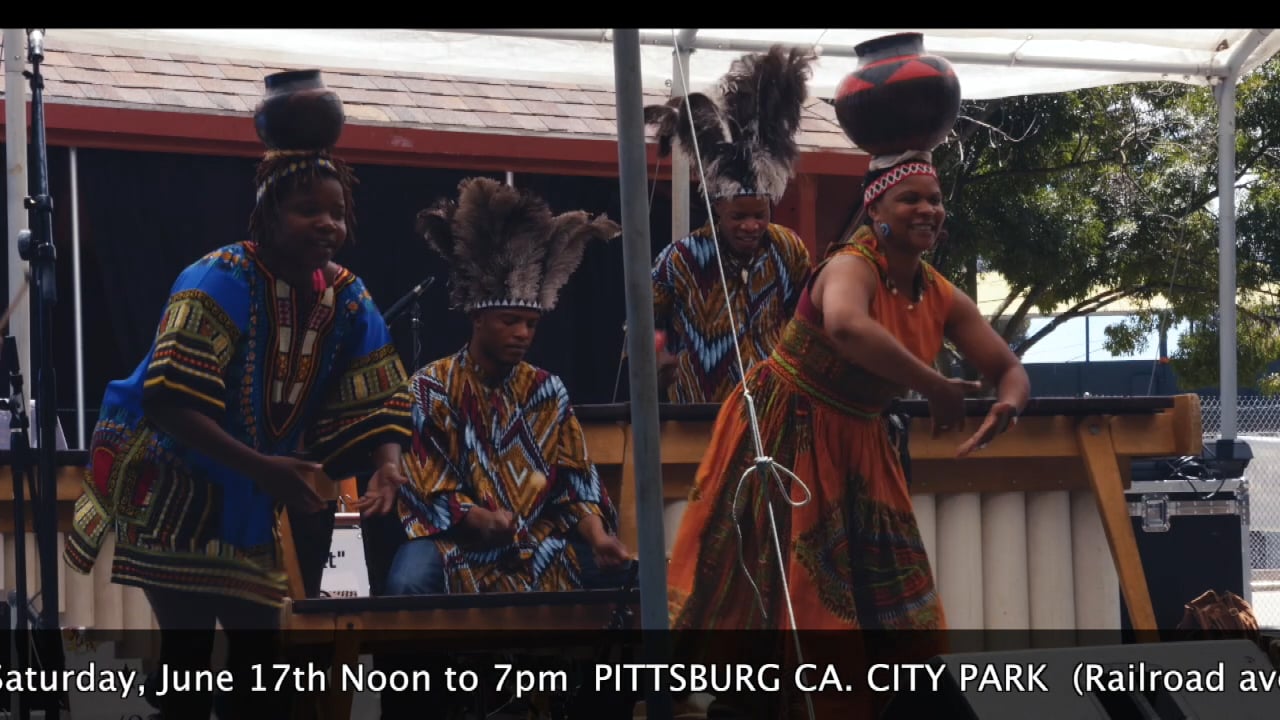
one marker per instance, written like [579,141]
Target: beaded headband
[303,161]
[740,192]
[896,175]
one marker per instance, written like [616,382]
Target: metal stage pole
[643,367]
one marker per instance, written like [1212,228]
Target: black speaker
[1205,679]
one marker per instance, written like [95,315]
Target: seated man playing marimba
[502,496]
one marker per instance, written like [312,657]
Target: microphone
[389,316]
[660,339]
[622,358]
[35,48]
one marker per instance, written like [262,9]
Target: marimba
[1032,532]
[1043,503]
[83,601]
[348,627]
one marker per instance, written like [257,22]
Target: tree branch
[1026,172]
[1259,317]
[1015,320]
[972,127]
[1014,292]
[1084,307]
[1197,204]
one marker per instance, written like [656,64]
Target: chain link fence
[1258,425]
[1255,415]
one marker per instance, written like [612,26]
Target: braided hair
[282,172]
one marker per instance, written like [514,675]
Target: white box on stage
[5,437]
[345,575]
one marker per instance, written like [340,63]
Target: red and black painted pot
[899,98]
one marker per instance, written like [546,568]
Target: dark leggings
[187,623]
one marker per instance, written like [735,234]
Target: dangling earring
[884,230]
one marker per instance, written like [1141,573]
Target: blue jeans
[418,569]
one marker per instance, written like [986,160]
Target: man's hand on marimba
[489,528]
[1001,416]
[608,550]
[667,366]
[384,485]
[610,553]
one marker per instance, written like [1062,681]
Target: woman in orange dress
[868,326]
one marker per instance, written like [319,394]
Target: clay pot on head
[298,112]
[899,98]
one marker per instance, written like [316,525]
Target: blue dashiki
[231,344]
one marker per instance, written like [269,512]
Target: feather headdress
[505,248]
[746,136]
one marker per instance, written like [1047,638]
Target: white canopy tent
[991,63]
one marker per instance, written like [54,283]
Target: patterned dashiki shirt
[689,302]
[516,446]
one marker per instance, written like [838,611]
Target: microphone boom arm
[393,313]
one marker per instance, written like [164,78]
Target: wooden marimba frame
[1032,532]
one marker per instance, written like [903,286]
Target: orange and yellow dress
[854,556]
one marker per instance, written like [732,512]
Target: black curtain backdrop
[145,216]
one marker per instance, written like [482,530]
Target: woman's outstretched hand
[1001,417]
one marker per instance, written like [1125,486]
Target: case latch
[1155,513]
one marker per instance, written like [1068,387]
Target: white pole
[76,290]
[679,163]
[15,143]
[1226,95]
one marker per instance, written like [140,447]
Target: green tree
[1087,198]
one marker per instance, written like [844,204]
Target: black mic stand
[413,301]
[38,250]
[20,466]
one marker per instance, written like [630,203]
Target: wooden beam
[233,135]
[807,213]
[1099,453]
